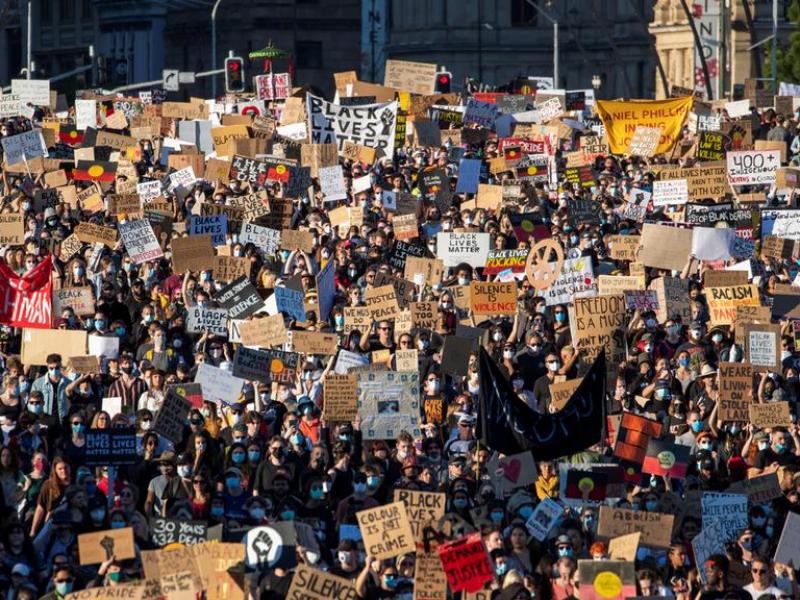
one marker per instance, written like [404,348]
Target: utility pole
[554,21]
[30,43]
[214,47]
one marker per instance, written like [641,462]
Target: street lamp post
[28,74]
[214,47]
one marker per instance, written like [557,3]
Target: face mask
[763,445]
[554,366]
[663,394]
[508,354]
[115,576]
[651,323]
[758,521]
[501,569]
[339,319]
[184,471]
[497,336]
[287,515]
[706,446]
[360,488]
[785,354]
[716,338]
[390,582]
[497,516]
[446,305]
[78,271]
[56,372]
[317,494]
[463,281]
[684,362]
[97,514]
[36,409]
[561,317]
[99,323]
[770,530]
[78,428]
[296,439]
[460,503]
[146,425]
[696,333]
[565,552]
[238,457]
[257,513]
[697,426]
[651,505]
[779,448]
[117,524]
[217,511]
[433,387]
[64,587]
[525,512]
[422,344]
[233,482]
[373,481]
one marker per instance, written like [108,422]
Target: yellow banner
[621,118]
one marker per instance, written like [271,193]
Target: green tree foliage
[789,54]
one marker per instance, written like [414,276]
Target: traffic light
[443,80]
[234,74]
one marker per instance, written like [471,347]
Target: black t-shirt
[766,457]
[541,389]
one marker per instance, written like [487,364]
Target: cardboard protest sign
[422,509]
[760,489]
[38,343]
[624,547]
[466,563]
[735,391]
[414,77]
[90,233]
[23,146]
[268,547]
[763,345]
[673,298]
[597,326]
[313,342]
[382,302]
[207,319]
[665,247]
[722,301]
[265,239]
[79,299]
[386,530]
[85,364]
[291,301]
[670,192]
[560,393]
[340,397]
[491,298]
[12,229]
[656,528]
[498,261]
[171,417]
[612,285]
[193,253]
[772,414]
[606,579]
[641,300]
[514,471]
[645,141]
[406,360]
[312,584]
[228,268]
[624,247]
[99,546]
[388,403]
[430,581]
[140,241]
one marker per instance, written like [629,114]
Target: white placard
[670,192]
[213,320]
[219,386]
[185,177]
[32,91]
[739,108]
[331,181]
[140,241]
[85,114]
[148,190]
[266,239]
[753,167]
[709,243]
[10,106]
[455,248]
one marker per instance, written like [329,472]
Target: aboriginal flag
[666,459]
[69,134]
[95,170]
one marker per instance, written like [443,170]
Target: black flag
[508,425]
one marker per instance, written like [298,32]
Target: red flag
[27,301]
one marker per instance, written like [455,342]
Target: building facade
[741,24]
[498,40]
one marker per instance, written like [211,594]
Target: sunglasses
[758,571]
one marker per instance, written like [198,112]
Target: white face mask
[554,366]
[497,336]
[145,425]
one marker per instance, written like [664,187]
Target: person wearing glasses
[63,581]
[763,579]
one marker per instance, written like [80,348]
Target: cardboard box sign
[98,546]
[386,530]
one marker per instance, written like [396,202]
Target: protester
[265,320]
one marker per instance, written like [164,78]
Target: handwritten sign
[386,530]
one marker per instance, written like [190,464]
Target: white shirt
[750,589]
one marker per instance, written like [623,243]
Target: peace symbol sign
[542,268]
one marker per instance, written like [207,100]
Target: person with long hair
[52,492]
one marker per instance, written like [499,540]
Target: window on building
[66,9]
[523,14]
[309,55]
